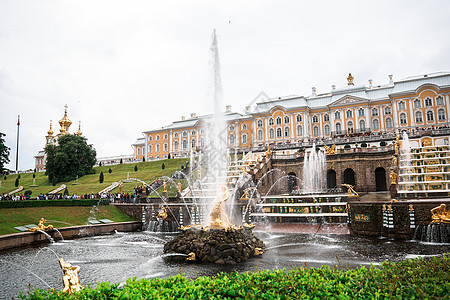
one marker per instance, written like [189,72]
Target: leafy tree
[4,152]
[101,177]
[72,157]
[16,183]
[109,171]
[135,168]
[347,146]
[28,192]
[163,166]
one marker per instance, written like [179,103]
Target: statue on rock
[219,218]
[70,279]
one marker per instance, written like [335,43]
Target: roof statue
[350,79]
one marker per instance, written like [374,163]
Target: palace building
[412,104]
[51,139]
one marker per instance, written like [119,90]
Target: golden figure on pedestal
[191,256]
[440,214]
[184,228]
[162,213]
[249,226]
[70,279]
[164,186]
[330,150]
[393,177]
[41,226]
[258,251]
[351,192]
[219,218]
[245,195]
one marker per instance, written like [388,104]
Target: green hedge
[410,279]
[49,203]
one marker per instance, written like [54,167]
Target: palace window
[231,128]
[175,135]
[350,127]
[361,112]
[299,130]
[166,136]
[184,144]
[315,119]
[316,130]
[150,149]
[271,121]
[362,125]
[138,151]
[259,123]
[430,116]
[286,119]
[299,118]
[388,123]
[441,115]
[403,119]
[287,132]
[326,117]
[202,142]
[193,133]
[327,130]
[193,143]
[244,127]
[401,105]
[150,138]
[157,147]
[278,121]
[376,124]
[417,103]
[157,137]
[165,147]
[349,114]
[428,102]
[244,138]
[375,112]
[202,132]
[271,133]
[175,145]
[337,115]
[439,100]
[184,134]
[260,134]
[419,117]
[338,128]
[387,110]
[279,133]
[232,139]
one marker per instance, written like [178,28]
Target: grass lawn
[147,171]
[57,216]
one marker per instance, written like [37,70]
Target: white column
[395,114]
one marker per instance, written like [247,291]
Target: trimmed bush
[347,146]
[34,175]
[28,192]
[364,144]
[109,171]
[101,177]
[135,168]
[16,183]
[382,143]
[163,166]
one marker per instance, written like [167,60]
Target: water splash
[314,166]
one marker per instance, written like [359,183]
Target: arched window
[271,133]
[150,149]
[388,123]
[287,131]
[232,139]
[362,125]
[350,126]
[327,129]
[315,119]
[244,138]
[428,102]
[337,115]
[299,130]
[193,143]
[175,145]
[338,128]
[157,147]
[278,121]
[175,135]
[401,105]
[260,134]
[417,103]
[418,115]
[361,112]
[279,133]
[375,112]
[286,119]
[138,150]
[403,119]
[231,127]
[259,123]
[441,115]
[202,142]
[244,126]
[202,132]
[349,113]
[430,116]
[184,134]
[376,124]
[157,137]
[299,118]
[326,117]
[387,110]
[193,133]
[439,100]
[165,147]
[184,144]
[271,121]
[150,138]
[316,130]
[165,136]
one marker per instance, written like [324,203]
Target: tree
[72,157]
[100,164]
[101,177]
[168,156]
[16,183]
[66,192]
[163,166]
[143,159]
[135,168]
[4,152]
[34,175]
[109,171]
[121,161]
[18,176]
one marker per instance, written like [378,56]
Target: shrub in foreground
[411,279]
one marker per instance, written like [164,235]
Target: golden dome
[79,129]
[65,122]
[50,131]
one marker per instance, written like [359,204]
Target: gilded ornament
[70,278]
[440,214]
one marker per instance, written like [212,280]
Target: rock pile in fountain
[220,246]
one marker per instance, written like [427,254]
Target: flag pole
[17,148]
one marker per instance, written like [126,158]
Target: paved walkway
[306,228]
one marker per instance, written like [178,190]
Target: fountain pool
[120,256]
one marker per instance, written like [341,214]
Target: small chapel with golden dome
[51,139]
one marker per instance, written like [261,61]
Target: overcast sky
[124,67]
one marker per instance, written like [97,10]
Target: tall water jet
[314,171]
[405,159]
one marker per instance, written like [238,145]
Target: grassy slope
[75,215]
[147,171]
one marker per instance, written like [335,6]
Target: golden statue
[268,152]
[411,207]
[249,226]
[258,251]
[179,187]
[330,150]
[397,144]
[184,228]
[162,213]
[237,227]
[204,228]
[350,79]
[394,162]
[440,215]
[191,256]
[245,195]
[41,226]
[70,279]
[164,186]
[219,219]
[393,177]
[351,192]
[121,187]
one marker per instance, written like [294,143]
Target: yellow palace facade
[413,104]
